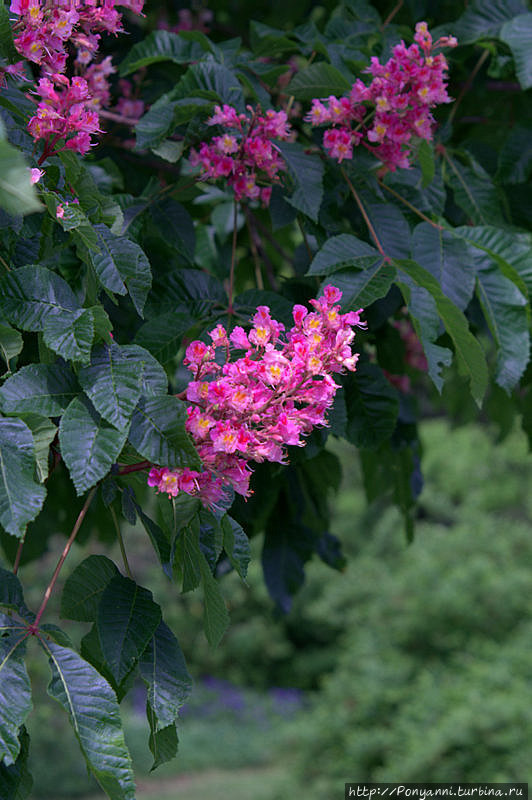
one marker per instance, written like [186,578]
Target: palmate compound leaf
[15,688]
[93,710]
[469,354]
[89,444]
[127,619]
[21,498]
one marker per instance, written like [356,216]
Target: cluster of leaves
[147,251]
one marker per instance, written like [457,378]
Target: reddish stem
[134,467]
[367,220]
[77,525]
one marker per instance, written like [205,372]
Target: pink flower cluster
[245,152]
[389,114]
[251,408]
[65,113]
[45,33]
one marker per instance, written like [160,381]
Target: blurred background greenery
[412,665]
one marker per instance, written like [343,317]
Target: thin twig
[367,220]
[77,525]
[6,265]
[121,542]
[409,205]
[252,235]
[118,118]
[392,14]
[468,83]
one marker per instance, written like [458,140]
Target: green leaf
[44,389]
[152,377]
[11,343]
[175,226]
[93,710]
[15,689]
[112,383]
[163,743]
[215,615]
[362,287]
[342,251]
[236,545]
[160,542]
[517,33]
[515,156]
[11,595]
[160,46]
[511,251]
[163,670]
[318,80]
[43,432]
[483,20]
[307,173]
[15,781]
[89,444]
[121,266]
[17,194]
[162,117]
[424,315]
[29,296]
[84,588]
[372,406]
[163,335]
[187,555]
[505,309]
[425,155]
[470,357]
[73,221]
[7,45]
[391,227]
[127,620]
[21,498]
[447,259]
[70,334]
[474,192]
[158,433]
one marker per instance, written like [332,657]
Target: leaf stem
[77,525]
[233,259]
[367,220]
[140,465]
[121,542]
[468,83]
[392,14]
[16,565]
[409,205]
